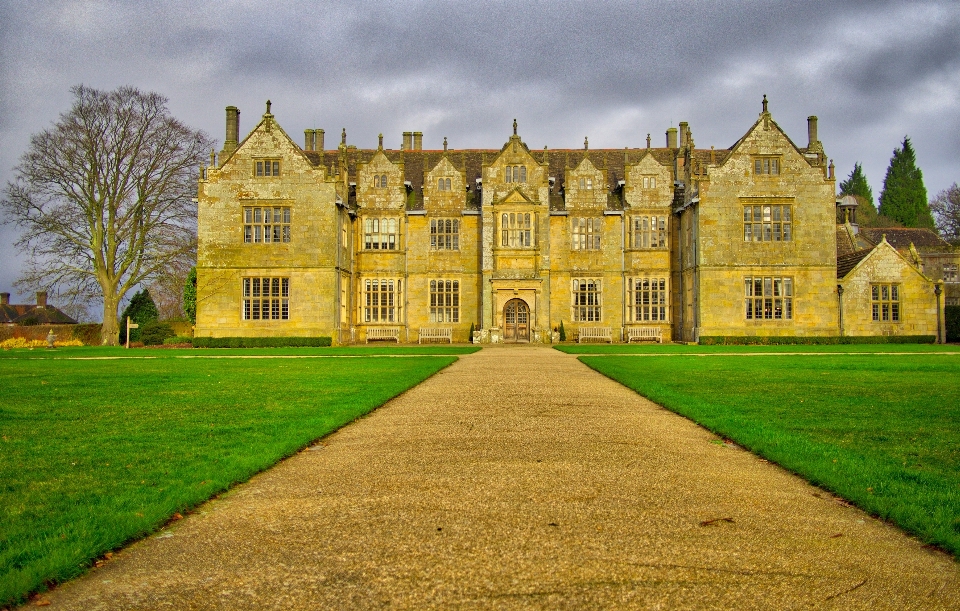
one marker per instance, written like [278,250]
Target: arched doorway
[516,321]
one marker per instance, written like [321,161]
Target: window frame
[586,300]
[444,234]
[266,167]
[768,223]
[885,302]
[767,165]
[381,301]
[444,300]
[648,299]
[586,232]
[514,234]
[769,298]
[381,233]
[644,236]
[257,229]
[259,303]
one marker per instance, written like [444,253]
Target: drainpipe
[623,275]
[840,305]
[938,290]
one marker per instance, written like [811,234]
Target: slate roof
[902,237]
[845,263]
[17,314]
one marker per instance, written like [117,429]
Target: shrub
[260,342]
[952,318]
[154,333]
[141,310]
[88,333]
[177,340]
[470,337]
[190,295]
[563,333]
[755,340]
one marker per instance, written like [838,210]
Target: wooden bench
[643,334]
[383,333]
[435,333]
[601,334]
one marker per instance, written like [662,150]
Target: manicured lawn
[882,431]
[104,351]
[94,453]
[651,348]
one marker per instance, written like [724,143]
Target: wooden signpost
[130,325]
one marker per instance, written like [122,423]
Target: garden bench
[435,333]
[383,333]
[594,334]
[642,334]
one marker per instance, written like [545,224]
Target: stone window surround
[768,223]
[586,300]
[380,233]
[265,298]
[585,232]
[444,300]
[516,230]
[381,300]
[768,297]
[767,165]
[644,236]
[885,302]
[266,167]
[444,234]
[647,299]
[266,224]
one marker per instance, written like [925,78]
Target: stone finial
[830,170]
[514,127]
[213,158]
[648,140]
[444,144]
[343,136]
[380,141]
[713,155]
[586,143]
[765,103]
[269,103]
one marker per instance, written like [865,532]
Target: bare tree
[104,198]
[946,211]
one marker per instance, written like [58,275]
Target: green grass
[156,352]
[650,348]
[94,453]
[882,431]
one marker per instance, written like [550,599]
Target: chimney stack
[418,141]
[318,140]
[41,299]
[407,142]
[811,130]
[4,298]
[233,132]
[684,129]
[672,138]
[309,139]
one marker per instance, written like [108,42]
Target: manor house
[676,242]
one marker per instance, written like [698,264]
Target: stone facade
[372,243]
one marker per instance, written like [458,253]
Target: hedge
[260,342]
[88,333]
[756,340]
[952,316]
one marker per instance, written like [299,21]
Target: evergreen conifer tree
[904,198]
[856,184]
[141,310]
[190,295]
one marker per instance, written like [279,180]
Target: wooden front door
[516,321]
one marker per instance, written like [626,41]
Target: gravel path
[519,478]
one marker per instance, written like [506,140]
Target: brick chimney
[41,299]
[4,298]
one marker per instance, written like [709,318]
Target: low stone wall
[89,333]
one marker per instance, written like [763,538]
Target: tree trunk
[109,332]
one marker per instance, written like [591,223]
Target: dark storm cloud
[613,71]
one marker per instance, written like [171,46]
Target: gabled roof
[17,314]
[846,263]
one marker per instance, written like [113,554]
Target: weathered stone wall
[918,303]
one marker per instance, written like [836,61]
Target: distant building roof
[902,237]
[846,263]
[39,313]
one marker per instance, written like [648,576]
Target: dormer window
[649,182]
[515,173]
[443,184]
[380,181]
[586,183]
[766,165]
[267,167]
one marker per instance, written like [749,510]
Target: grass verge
[160,353]
[94,453]
[696,349]
[882,431]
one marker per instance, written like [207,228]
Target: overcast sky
[872,71]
